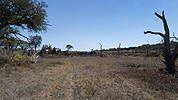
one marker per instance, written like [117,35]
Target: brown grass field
[88,78]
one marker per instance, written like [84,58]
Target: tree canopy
[35,41]
[25,14]
[69,47]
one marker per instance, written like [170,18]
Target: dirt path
[69,89]
[76,93]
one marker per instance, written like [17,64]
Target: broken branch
[157,33]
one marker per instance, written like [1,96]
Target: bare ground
[88,78]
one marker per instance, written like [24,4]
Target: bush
[4,58]
[16,57]
[154,54]
[13,57]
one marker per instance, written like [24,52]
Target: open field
[85,78]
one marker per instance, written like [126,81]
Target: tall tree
[35,41]
[169,58]
[69,47]
[26,14]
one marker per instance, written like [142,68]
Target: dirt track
[77,79]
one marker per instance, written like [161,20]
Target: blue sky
[84,23]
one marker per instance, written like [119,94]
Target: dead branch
[161,17]
[164,22]
[157,33]
[175,36]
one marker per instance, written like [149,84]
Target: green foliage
[8,32]
[10,43]
[3,55]
[23,13]
[13,57]
[50,48]
[16,57]
[35,41]
[69,47]
[54,51]
[26,14]
[23,44]
[43,50]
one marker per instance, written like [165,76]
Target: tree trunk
[170,66]
[101,52]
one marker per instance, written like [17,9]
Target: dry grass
[111,78]
[91,77]
[162,86]
[39,80]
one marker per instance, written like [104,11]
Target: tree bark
[170,66]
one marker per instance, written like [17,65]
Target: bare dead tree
[169,57]
[35,57]
[100,49]
[118,50]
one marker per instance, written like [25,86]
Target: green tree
[35,41]
[13,43]
[9,32]
[10,43]
[23,44]
[26,14]
[49,48]
[43,50]
[54,51]
[69,47]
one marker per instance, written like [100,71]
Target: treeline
[48,49]
[152,47]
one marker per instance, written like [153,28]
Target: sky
[84,23]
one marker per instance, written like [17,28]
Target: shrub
[16,57]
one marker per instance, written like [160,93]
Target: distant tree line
[152,47]
[48,49]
